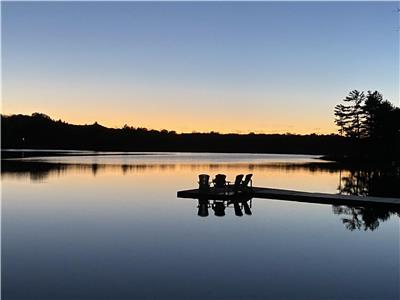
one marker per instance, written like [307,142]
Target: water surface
[111,227]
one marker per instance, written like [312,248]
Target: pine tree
[355,115]
[341,117]
[372,111]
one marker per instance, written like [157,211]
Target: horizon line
[255,132]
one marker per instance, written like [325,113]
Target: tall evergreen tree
[373,122]
[341,117]
[355,114]
[373,113]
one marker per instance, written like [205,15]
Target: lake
[99,226]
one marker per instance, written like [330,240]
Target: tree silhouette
[341,117]
[372,122]
[41,132]
[355,114]
[372,112]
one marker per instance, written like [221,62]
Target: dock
[290,195]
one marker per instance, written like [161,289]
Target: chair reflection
[220,206]
[203,208]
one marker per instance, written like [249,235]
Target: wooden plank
[289,195]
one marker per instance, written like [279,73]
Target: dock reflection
[220,207]
[366,218]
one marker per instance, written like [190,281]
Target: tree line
[369,129]
[372,123]
[39,131]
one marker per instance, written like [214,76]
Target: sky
[264,67]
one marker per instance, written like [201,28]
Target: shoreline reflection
[384,182]
[367,182]
[364,217]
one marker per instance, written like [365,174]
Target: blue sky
[185,66]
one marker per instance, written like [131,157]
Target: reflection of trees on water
[364,218]
[376,182]
[361,182]
[383,183]
[40,170]
[354,184]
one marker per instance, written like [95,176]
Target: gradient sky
[190,66]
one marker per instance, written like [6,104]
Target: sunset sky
[229,67]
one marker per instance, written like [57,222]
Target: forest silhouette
[371,123]
[39,131]
[369,129]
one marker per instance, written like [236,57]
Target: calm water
[111,227]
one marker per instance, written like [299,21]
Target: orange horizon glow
[186,125]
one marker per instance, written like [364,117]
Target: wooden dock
[289,195]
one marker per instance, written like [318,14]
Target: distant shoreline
[39,131]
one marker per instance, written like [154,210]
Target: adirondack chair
[204,184]
[219,181]
[237,184]
[247,183]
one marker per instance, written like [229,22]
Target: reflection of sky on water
[124,234]
[175,157]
